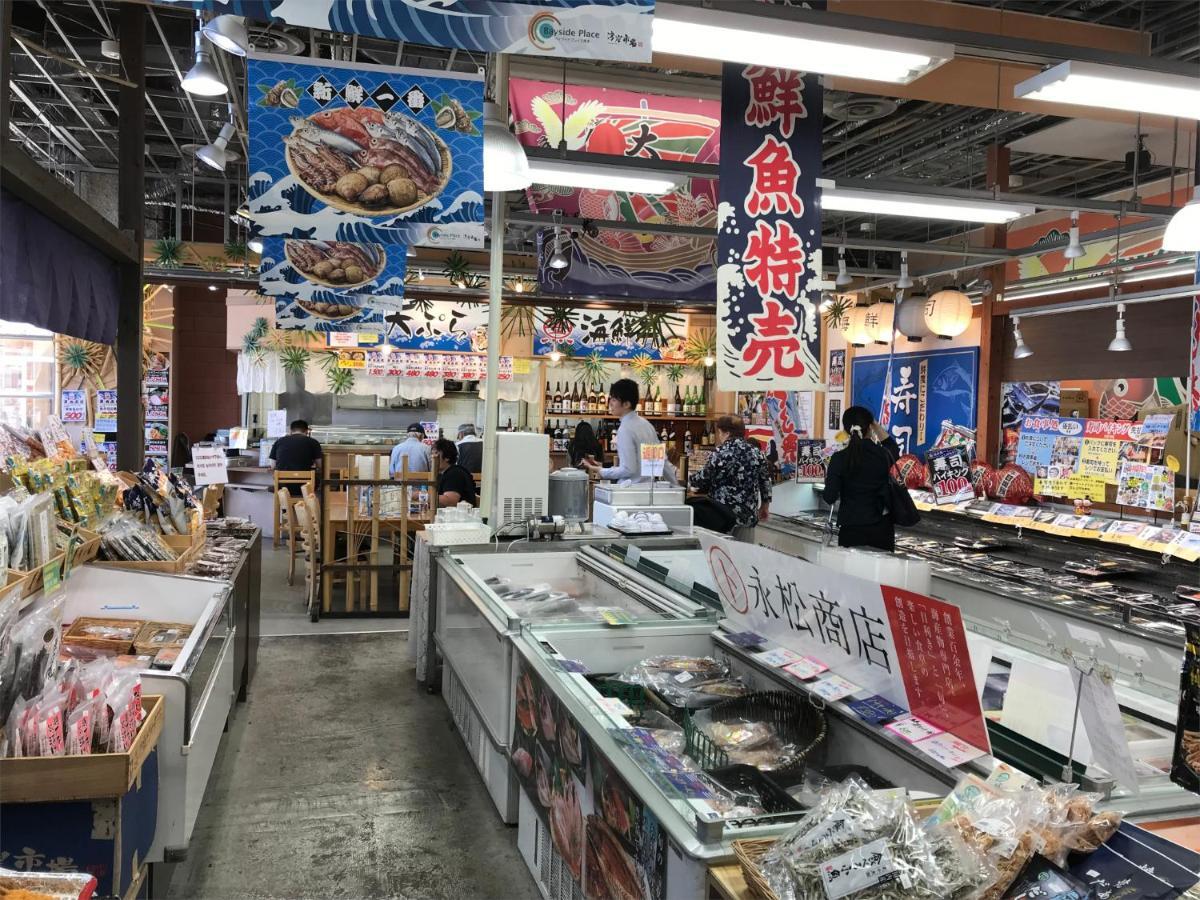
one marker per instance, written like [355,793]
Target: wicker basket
[748,854]
[793,717]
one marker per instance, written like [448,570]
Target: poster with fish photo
[304,270]
[365,154]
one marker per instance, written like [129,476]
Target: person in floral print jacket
[736,479]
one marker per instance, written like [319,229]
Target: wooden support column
[131,192]
[992,323]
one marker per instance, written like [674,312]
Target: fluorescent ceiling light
[763,40]
[601,176]
[1183,231]
[1114,87]
[919,207]
[1099,281]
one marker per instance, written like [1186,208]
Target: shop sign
[578,29]
[926,389]
[352,359]
[365,154]
[612,333]
[323,274]
[950,475]
[811,462]
[209,463]
[908,648]
[106,412]
[769,230]
[74,407]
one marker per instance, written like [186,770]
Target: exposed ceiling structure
[63,104]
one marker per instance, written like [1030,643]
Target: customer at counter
[858,476]
[296,452]
[414,449]
[470,449]
[736,482]
[632,432]
[455,484]
[585,445]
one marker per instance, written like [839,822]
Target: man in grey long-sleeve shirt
[632,432]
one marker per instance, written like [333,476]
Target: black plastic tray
[740,777]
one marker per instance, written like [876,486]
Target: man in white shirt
[470,449]
[632,432]
[414,449]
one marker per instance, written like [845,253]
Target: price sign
[210,465]
[74,407]
[654,459]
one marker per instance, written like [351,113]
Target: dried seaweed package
[1185,763]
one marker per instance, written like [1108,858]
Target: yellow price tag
[1172,463]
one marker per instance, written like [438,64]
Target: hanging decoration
[881,321]
[769,230]
[857,331]
[910,318]
[948,313]
[613,333]
[365,154]
[320,271]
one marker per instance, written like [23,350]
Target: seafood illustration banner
[322,271]
[580,29]
[769,231]
[365,154]
[612,845]
[613,333]
[638,125]
[413,325]
[926,389]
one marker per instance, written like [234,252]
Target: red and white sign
[436,366]
[908,648]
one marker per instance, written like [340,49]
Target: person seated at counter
[632,432]
[297,451]
[736,481]
[414,449]
[455,483]
[470,449]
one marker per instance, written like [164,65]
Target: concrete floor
[339,778]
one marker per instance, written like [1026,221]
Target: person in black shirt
[858,476]
[455,483]
[470,449]
[584,445]
[296,452]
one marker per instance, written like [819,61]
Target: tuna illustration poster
[365,154]
[927,388]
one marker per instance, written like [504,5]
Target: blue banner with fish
[927,388]
[365,154]
[580,29]
[297,269]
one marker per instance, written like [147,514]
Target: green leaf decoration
[559,318]
[701,343]
[294,360]
[261,325]
[594,369]
[516,321]
[675,374]
[474,282]
[643,367]
[168,253]
[455,268]
[329,360]
[236,251]
[838,309]
[341,381]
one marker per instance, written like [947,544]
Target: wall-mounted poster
[1077,458]
[579,29]
[1019,399]
[927,388]
[949,475]
[322,276]
[769,231]
[834,419]
[784,418]
[74,407]
[365,154]
[837,370]
[613,333]
[106,412]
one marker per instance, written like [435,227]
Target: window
[28,374]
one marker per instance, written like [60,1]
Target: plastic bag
[125,538]
[687,682]
[35,643]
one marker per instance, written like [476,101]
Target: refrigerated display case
[198,691]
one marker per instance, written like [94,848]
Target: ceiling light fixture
[110,49]
[843,277]
[202,78]
[212,287]
[1021,351]
[917,206]
[903,283]
[760,40]
[420,274]
[1074,248]
[600,176]
[709,362]
[214,155]
[505,166]
[229,33]
[1120,343]
[555,354]
[1114,87]
[255,245]
[1183,231]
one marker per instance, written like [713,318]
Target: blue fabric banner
[365,154]
[928,388]
[769,231]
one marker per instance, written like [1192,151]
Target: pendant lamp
[1183,231]
[948,313]
[881,321]
[857,333]
[910,318]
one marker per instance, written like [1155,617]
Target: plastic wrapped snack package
[124,538]
[34,648]
[57,885]
[688,682]
[1072,823]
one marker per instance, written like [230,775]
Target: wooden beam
[131,198]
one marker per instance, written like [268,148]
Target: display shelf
[650,416]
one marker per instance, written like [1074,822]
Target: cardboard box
[1074,403]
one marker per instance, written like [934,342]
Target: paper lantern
[948,313]
[979,473]
[856,330]
[911,472]
[881,320]
[910,318]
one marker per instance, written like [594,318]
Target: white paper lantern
[948,313]
[881,319]
[856,331]
[910,318]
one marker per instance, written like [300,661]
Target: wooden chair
[284,480]
[311,542]
[289,504]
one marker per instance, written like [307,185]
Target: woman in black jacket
[858,476]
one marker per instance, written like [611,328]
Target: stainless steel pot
[569,495]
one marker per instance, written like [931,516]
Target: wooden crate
[59,778]
[88,550]
[32,580]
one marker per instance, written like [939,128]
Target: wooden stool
[285,479]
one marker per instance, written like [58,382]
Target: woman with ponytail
[858,476]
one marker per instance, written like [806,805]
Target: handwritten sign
[654,459]
[210,464]
[276,423]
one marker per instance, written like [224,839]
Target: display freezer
[198,691]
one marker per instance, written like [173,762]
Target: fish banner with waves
[769,231]
[926,389]
[365,154]
[642,126]
[580,29]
